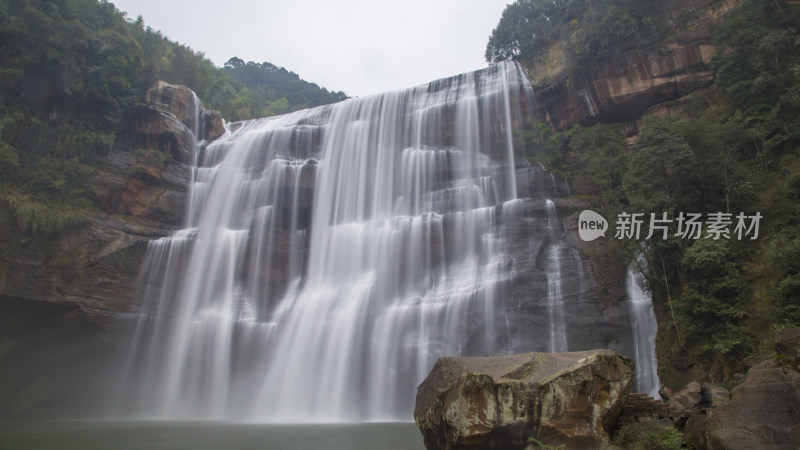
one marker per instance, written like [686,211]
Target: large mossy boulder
[502,402]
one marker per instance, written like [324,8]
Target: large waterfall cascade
[331,255]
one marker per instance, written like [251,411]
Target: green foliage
[592,158]
[736,148]
[537,444]
[70,72]
[761,75]
[648,435]
[593,29]
[528,26]
[178,64]
[661,169]
[151,157]
[43,218]
[276,90]
[788,291]
[703,165]
[713,303]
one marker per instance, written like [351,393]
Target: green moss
[151,157]
[649,435]
[535,443]
[40,218]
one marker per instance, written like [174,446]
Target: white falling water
[330,256]
[556,258]
[644,333]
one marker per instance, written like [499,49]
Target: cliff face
[634,83]
[141,196]
[63,298]
[626,87]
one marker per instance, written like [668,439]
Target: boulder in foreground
[502,401]
[764,411]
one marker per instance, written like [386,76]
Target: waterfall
[644,332]
[331,255]
[555,298]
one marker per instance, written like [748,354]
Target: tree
[661,169]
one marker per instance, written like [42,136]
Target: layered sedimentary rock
[171,120]
[572,398]
[141,197]
[626,87]
[633,83]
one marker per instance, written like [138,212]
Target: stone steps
[641,405]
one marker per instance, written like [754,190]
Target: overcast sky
[360,47]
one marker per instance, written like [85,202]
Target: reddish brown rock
[213,125]
[501,401]
[624,88]
[132,185]
[178,100]
[154,129]
[181,102]
[171,120]
[636,82]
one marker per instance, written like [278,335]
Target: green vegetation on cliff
[70,73]
[732,147]
[591,30]
[276,90]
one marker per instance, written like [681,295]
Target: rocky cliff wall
[140,194]
[635,82]
[64,299]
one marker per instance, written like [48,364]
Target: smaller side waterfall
[565,280]
[644,332]
[555,297]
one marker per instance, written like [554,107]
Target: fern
[43,218]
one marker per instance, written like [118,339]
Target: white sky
[360,47]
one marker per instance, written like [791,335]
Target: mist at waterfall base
[130,435]
[331,255]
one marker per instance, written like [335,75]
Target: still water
[87,435]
